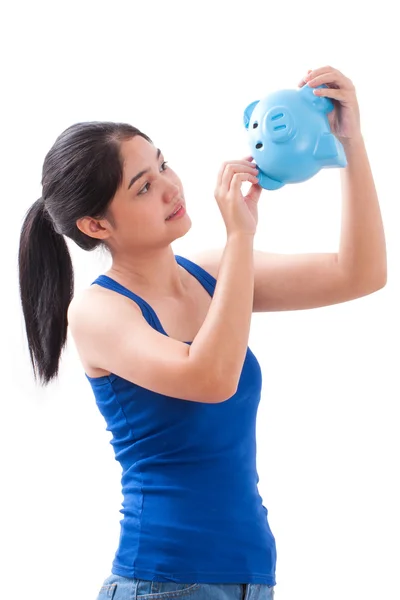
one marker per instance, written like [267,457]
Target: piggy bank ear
[319,103]
[248,112]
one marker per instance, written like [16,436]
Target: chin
[186,228]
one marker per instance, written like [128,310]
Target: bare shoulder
[93,314]
[81,303]
[94,299]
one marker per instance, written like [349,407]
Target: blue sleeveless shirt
[192,512]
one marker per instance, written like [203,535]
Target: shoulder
[94,300]
[80,305]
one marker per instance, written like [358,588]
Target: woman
[164,344]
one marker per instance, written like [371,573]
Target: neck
[156,273]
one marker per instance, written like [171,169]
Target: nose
[171,191]
[280,124]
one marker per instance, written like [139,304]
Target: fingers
[228,170]
[254,193]
[303,81]
[336,94]
[238,179]
[331,80]
[328,76]
[313,73]
[245,162]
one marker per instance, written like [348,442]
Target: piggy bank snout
[279,123]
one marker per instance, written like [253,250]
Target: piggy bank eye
[259,146]
[255,125]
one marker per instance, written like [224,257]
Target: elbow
[217,390]
[225,395]
[213,385]
[367,288]
[380,279]
[223,389]
[363,284]
[379,282]
[383,279]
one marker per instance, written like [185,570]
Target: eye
[144,189]
[146,186]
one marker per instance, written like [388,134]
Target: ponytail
[46,282]
[81,174]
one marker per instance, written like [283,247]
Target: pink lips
[180,213]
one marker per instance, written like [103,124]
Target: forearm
[221,344]
[362,252]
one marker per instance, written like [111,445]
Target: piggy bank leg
[267,183]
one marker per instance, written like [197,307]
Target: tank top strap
[147,311]
[208,281]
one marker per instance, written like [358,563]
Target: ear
[248,112]
[330,151]
[320,103]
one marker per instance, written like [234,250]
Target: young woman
[163,341]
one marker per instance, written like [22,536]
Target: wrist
[353,142]
[241,236]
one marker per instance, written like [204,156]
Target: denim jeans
[116,587]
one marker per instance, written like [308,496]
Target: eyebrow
[139,175]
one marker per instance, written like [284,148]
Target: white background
[327,430]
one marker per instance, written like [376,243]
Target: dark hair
[81,174]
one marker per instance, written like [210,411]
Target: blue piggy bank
[290,137]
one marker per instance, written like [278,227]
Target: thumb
[254,193]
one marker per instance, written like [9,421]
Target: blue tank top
[192,512]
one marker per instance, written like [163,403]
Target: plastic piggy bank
[290,137]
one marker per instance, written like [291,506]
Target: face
[149,193]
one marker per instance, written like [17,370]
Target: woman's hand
[239,212]
[344,120]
